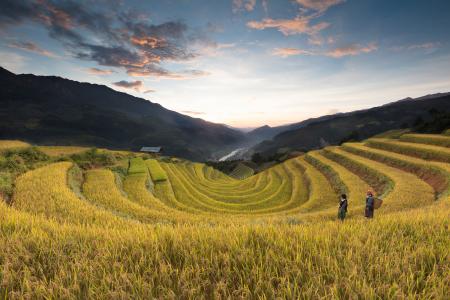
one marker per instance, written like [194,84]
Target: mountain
[358,125]
[55,111]
[266,132]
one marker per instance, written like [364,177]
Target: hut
[156,151]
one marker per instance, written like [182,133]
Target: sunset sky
[245,63]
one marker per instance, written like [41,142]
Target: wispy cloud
[318,5]
[352,50]
[424,46]
[302,23]
[182,75]
[149,91]
[97,71]
[218,49]
[317,40]
[240,5]
[265,6]
[195,113]
[428,47]
[298,25]
[135,85]
[286,52]
[31,47]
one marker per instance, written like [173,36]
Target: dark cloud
[126,40]
[14,12]
[135,85]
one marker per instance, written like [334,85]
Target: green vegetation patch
[137,166]
[156,172]
[93,158]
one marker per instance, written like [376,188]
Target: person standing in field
[370,203]
[343,205]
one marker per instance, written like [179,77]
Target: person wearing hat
[370,203]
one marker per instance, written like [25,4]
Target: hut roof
[151,149]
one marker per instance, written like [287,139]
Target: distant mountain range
[55,111]
[266,132]
[357,125]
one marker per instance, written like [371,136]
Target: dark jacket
[370,201]
[343,204]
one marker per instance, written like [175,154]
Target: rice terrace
[169,228]
[232,149]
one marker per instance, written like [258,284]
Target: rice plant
[156,172]
[183,230]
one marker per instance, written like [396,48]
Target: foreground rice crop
[174,229]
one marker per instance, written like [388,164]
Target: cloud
[298,25]
[317,40]
[149,91]
[265,6]
[426,46]
[31,47]
[226,45]
[127,40]
[286,52]
[96,71]
[351,50]
[195,73]
[216,49]
[190,112]
[318,5]
[135,85]
[157,72]
[301,24]
[240,5]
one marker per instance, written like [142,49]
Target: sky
[245,63]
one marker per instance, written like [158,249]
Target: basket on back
[377,203]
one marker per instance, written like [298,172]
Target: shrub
[94,159]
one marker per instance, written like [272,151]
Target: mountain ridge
[357,125]
[54,110]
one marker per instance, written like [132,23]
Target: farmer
[370,202]
[343,204]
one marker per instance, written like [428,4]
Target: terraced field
[242,171]
[169,228]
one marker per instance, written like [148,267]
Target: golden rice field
[174,229]
[61,150]
[11,144]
